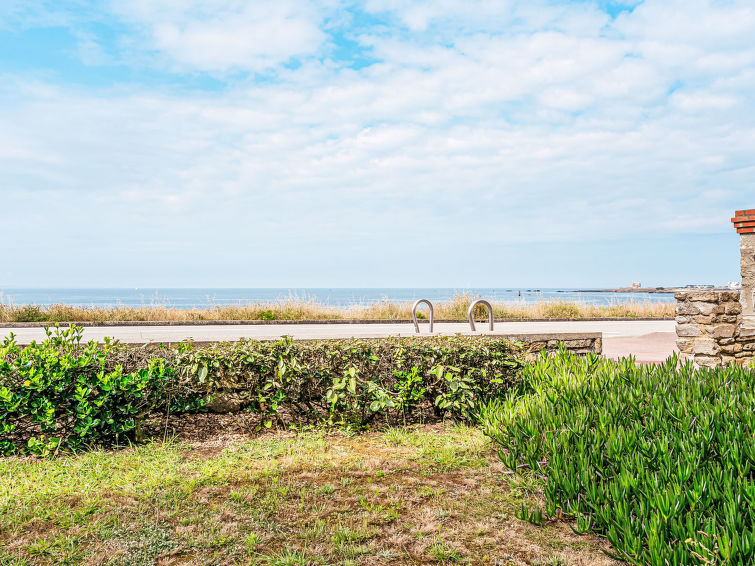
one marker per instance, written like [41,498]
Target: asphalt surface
[649,341]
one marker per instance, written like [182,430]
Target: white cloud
[576,129]
[224,35]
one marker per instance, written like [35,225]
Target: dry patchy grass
[295,309]
[420,495]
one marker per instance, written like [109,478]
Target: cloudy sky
[375,143]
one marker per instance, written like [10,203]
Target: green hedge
[659,459]
[60,393]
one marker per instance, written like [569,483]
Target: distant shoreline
[669,290]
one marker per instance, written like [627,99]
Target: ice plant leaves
[659,459]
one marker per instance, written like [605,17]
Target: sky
[444,143]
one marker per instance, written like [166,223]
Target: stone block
[733,308]
[706,347]
[747,327]
[705,296]
[706,308]
[685,345]
[748,296]
[708,361]
[732,348]
[722,330]
[582,351]
[683,319]
[570,344]
[688,330]
[729,318]
[686,309]
[702,319]
[227,403]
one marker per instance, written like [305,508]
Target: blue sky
[374,143]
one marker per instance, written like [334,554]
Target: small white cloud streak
[222,35]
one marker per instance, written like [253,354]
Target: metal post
[414,314]
[471,311]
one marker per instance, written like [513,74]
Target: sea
[188,298]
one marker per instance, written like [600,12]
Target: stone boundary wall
[708,329]
[576,343]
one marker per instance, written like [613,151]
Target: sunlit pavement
[648,340]
[648,348]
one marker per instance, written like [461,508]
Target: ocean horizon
[208,297]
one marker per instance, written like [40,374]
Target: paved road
[208,333]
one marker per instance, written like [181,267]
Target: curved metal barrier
[414,314]
[471,311]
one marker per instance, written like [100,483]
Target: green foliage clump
[659,459]
[353,381]
[62,394]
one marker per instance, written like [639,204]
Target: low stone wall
[533,344]
[708,328]
[576,343]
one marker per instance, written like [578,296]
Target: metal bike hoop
[471,311]
[414,314]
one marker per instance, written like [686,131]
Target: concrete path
[649,348]
[646,334]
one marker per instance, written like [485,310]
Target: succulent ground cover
[425,494]
[658,459]
[455,309]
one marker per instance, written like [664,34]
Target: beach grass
[305,309]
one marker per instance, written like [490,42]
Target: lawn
[428,494]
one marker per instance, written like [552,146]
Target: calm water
[198,298]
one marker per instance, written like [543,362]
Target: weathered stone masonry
[708,328]
[717,328]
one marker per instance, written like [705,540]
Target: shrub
[353,381]
[659,459]
[61,394]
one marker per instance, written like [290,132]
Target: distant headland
[672,290]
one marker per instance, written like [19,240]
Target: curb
[114,323]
